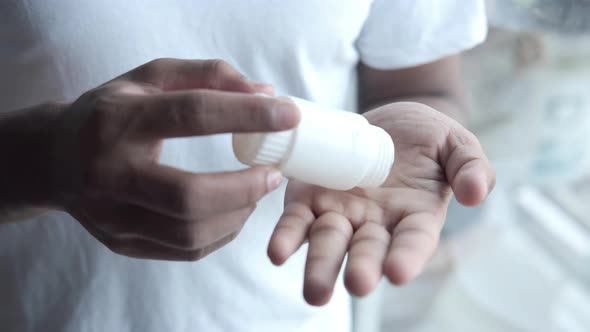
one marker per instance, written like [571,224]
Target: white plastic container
[329,148]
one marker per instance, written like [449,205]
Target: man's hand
[105,149]
[392,230]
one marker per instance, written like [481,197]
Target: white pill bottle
[329,148]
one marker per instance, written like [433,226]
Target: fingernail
[286,115]
[263,88]
[273,180]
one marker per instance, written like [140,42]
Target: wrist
[454,108]
[451,107]
[26,138]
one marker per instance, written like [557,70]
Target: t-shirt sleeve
[405,33]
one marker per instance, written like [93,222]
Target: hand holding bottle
[98,158]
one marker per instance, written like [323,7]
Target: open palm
[392,230]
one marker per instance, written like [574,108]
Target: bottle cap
[382,161]
[262,148]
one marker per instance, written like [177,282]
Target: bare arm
[437,84]
[98,158]
[24,173]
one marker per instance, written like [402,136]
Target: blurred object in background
[522,261]
[530,102]
[554,16]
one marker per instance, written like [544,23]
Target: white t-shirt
[55,277]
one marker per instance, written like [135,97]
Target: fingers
[290,232]
[414,241]
[204,112]
[131,222]
[140,233]
[328,242]
[178,74]
[192,196]
[366,255]
[145,249]
[467,168]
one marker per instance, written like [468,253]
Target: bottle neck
[382,158]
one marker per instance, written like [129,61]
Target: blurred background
[520,262]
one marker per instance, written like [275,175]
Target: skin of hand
[392,230]
[104,152]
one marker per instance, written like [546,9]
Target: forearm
[454,107]
[438,85]
[25,170]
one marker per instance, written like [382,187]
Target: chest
[136,31]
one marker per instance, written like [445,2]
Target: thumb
[467,168]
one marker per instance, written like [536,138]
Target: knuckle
[325,202]
[105,121]
[187,198]
[288,228]
[323,224]
[199,106]
[259,112]
[104,111]
[417,233]
[190,238]
[158,64]
[373,233]
[217,71]
[459,136]
[153,69]
[184,205]
[336,226]
[299,210]
[115,88]
[217,67]
[106,89]
[103,163]
[100,99]
[198,103]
